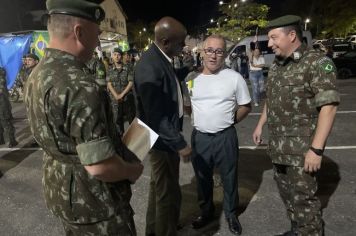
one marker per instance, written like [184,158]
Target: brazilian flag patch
[326,64]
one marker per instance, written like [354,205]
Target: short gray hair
[61,26]
[215,36]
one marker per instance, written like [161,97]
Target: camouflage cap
[33,56]
[87,9]
[284,21]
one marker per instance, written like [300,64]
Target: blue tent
[12,49]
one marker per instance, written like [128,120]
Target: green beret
[33,56]
[284,21]
[87,9]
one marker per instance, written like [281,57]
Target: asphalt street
[261,211]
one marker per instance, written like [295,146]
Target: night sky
[192,13]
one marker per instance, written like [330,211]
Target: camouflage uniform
[70,118]
[123,111]
[22,76]
[5,112]
[97,68]
[297,86]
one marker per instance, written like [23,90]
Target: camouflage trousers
[297,189]
[7,126]
[115,226]
[122,112]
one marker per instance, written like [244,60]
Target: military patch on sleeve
[326,64]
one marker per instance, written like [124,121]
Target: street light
[221,3]
[140,38]
[306,23]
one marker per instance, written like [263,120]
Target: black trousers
[219,150]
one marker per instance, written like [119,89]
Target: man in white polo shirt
[220,99]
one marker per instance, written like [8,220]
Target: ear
[78,32]
[165,42]
[292,36]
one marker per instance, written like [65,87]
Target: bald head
[170,36]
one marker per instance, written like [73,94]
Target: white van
[245,46]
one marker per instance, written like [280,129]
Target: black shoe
[13,143]
[288,233]
[202,221]
[234,225]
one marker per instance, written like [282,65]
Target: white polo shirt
[215,98]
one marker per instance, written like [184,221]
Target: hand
[312,162]
[119,97]
[185,154]
[256,136]
[129,156]
[135,171]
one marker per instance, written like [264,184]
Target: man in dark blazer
[160,106]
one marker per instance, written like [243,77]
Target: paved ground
[23,212]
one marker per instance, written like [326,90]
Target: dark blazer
[157,98]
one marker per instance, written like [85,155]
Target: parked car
[346,64]
[338,49]
[352,40]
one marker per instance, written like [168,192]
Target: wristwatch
[317,151]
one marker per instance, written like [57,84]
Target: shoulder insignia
[326,64]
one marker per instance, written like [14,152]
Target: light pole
[306,23]
[140,33]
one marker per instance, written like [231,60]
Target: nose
[270,44]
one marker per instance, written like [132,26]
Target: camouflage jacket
[70,118]
[97,68]
[5,106]
[296,88]
[22,76]
[119,78]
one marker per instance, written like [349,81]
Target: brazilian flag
[40,41]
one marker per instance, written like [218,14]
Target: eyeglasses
[218,52]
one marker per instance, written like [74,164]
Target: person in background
[6,118]
[257,63]
[97,68]
[244,65]
[29,62]
[120,84]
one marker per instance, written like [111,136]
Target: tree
[239,19]
[328,18]
[340,17]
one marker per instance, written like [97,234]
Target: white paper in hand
[139,138]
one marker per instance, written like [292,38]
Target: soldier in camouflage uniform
[29,63]
[5,112]
[301,104]
[87,170]
[97,68]
[120,83]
